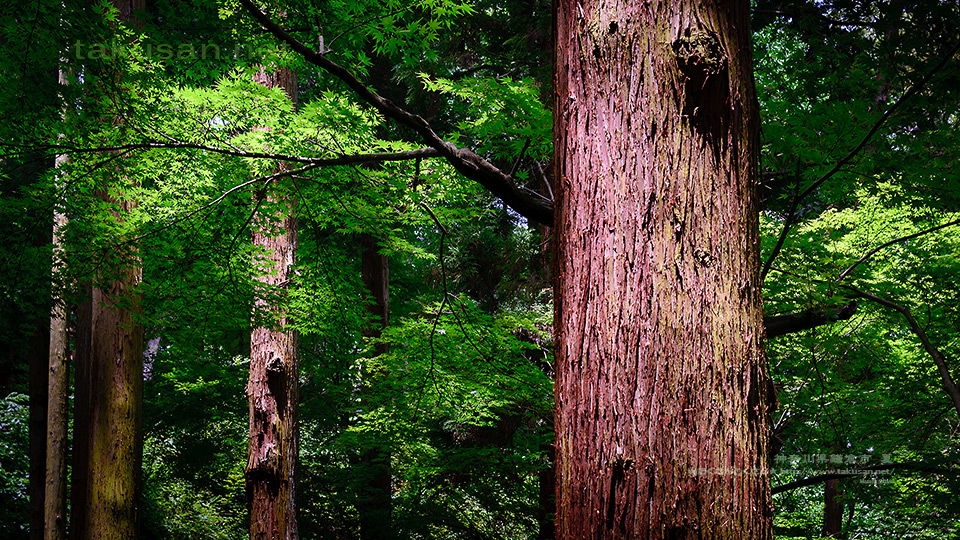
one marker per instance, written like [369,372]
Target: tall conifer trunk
[273,386]
[376,506]
[108,440]
[58,387]
[661,388]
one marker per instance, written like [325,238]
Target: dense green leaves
[165,114]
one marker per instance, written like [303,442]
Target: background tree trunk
[58,381]
[79,474]
[376,505]
[832,509]
[661,392]
[273,386]
[37,424]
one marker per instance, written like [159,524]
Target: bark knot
[700,54]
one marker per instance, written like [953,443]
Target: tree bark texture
[108,441]
[58,381]
[115,442]
[375,504]
[273,385]
[662,390]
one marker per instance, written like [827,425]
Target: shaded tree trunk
[273,385]
[37,427]
[108,440]
[832,509]
[80,469]
[376,505]
[661,392]
[546,498]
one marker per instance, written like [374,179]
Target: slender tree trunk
[273,386]
[546,499]
[80,470]
[55,485]
[661,392]
[832,509]
[37,427]
[376,505]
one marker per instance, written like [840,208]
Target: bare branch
[347,159]
[859,471]
[780,325]
[938,358]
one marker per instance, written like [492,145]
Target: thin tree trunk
[546,498]
[82,390]
[832,509]
[376,505]
[661,393]
[55,488]
[273,386]
[37,357]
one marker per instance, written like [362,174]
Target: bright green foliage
[863,389]
[166,114]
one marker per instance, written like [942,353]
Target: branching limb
[779,325]
[465,161]
[938,358]
[853,153]
[859,471]
[873,251]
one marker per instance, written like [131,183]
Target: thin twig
[873,251]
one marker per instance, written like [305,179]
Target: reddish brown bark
[661,388]
[273,385]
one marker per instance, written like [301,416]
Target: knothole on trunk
[700,54]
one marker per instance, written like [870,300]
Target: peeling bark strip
[662,420]
[272,388]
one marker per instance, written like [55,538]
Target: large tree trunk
[108,440]
[375,505]
[115,408]
[661,389]
[273,386]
